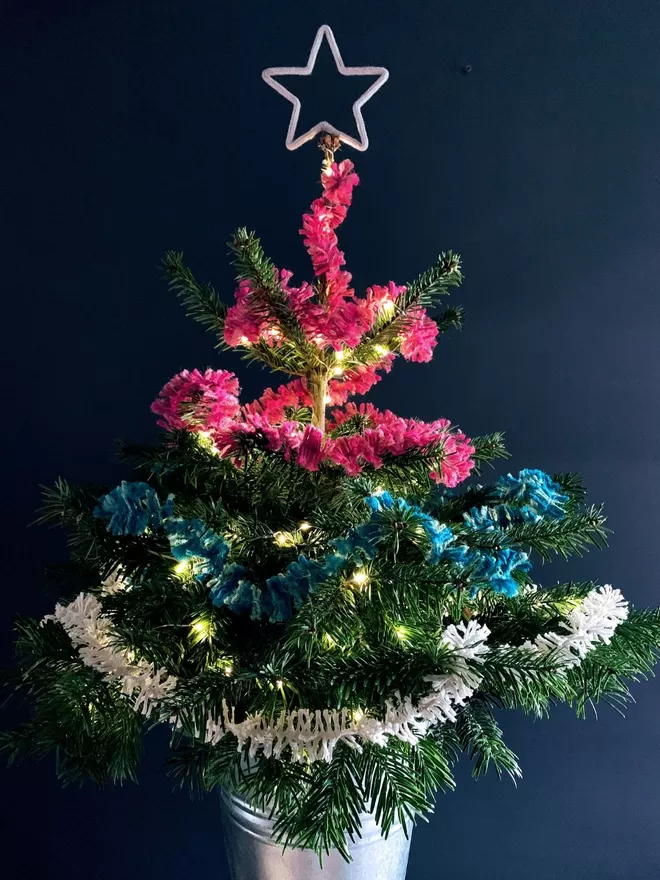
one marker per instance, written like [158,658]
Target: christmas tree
[297,587]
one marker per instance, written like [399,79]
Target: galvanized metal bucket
[254,855]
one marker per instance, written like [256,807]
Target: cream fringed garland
[94,637]
[593,620]
[312,735]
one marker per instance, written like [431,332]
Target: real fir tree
[296,587]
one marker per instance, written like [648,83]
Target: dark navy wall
[135,126]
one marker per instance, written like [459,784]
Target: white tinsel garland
[313,735]
[594,620]
[93,635]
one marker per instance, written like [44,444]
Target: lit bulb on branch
[360,577]
[337,371]
[244,340]
[402,632]
[183,569]
[381,349]
[327,399]
[565,606]
[387,307]
[305,526]
[287,539]
[205,439]
[340,355]
[201,630]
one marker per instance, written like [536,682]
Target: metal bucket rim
[235,807]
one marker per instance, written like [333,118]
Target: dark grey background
[135,126]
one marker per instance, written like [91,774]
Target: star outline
[292,142]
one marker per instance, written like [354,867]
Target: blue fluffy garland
[279,595]
[132,508]
[493,570]
[526,498]
[534,491]
[190,540]
[284,592]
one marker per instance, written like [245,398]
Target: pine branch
[285,357]
[566,537]
[423,292]
[488,448]
[252,265]
[481,739]
[631,655]
[276,787]
[369,678]
[65,505]
[432,284]
[445,739]
[521,618]
[89,725]
[393,790]
[90,543]
[201,301]
[408,474]
[450,319]
[521,680]
[329,617]
[572,485]
[330,810]
[203,767]
[450,508]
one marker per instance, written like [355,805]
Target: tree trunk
[318,386]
